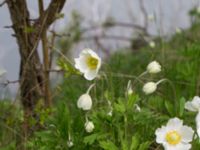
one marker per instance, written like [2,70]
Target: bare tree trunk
[33,79]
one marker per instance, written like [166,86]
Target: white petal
[90,74]
[175,123]
[160,134]
[198,123]
[181,146]
[189,106]
[196,102]
[186,133]
[80,64]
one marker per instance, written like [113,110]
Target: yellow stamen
[173,137]
[92,62]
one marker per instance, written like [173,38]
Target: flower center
[173,137]
[92,62]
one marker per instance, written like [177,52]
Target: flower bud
[2,72]
[151,17]
[153,67]
[70,143]
[85,102]
[152,44]
[149,88]
[89,126]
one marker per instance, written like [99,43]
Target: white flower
[2,72]
[178,30]
[198,10]
[85,102]
[88,63]
[153,67]
[151,17]
[175,136]
[193,105]
[89,126]
[198,123]
[149,87]
[152,44]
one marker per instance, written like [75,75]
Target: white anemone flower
[89,126]
[193,105]
[175,135]
[198,123]
[2,72]
[88,63]
[153,67]
[149,87]
[85,102]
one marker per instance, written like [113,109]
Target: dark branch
[50,14]
[1,4]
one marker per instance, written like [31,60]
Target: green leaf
[90,139]
[119,107]
[134,143]
[181,106]
[144,146]
[132,100]
[108,145]
[169,107]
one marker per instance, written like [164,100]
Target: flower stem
[89,89]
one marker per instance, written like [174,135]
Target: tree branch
[50,14]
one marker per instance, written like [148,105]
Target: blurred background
[103,25]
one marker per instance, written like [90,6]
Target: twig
[1,4]
[112,37]
[10,82]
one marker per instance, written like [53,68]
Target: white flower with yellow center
[153,67]
[88,63]
[193,105]
[175,136]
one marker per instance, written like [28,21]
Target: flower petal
[181,146]
[174,123]
[186,133]
[90,74]
[189,106]
[160,134]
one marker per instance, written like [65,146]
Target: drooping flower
[153,67]
[175,135]
[85,102]
[88,63]
[89,126]
[193,105]
[149,87]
